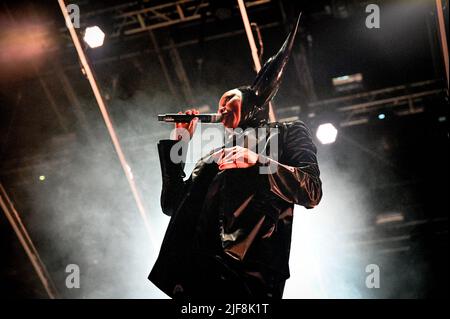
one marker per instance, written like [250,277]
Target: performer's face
[230,106]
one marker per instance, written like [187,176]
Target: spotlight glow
[94,36]
[381,116]
[326,133]
[42,178]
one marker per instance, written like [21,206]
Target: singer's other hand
[235,157]
[189,127]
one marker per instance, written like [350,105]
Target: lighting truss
[128,20]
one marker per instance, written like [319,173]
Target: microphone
[186,118]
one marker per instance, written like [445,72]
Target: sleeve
[296,178]
[174,187]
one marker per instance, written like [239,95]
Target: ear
[233,92]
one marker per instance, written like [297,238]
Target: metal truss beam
[128,20]
[402,100]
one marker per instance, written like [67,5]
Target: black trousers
[216,278]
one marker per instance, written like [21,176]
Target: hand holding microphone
[189,126]
[188,120]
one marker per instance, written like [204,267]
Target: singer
[229,234]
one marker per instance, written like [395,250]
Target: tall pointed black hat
[255,98]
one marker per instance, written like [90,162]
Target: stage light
[42,178]
[94,36]
[326,133]
[381,116]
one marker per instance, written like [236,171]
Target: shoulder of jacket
[289,124]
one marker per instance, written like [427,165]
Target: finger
[240,158]
[232,165]
[230,150]
[218,153]
[229,157]
[217,156]
[227,166]
[224,162]
[194,120]
[193,124]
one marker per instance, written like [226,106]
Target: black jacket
[234,220]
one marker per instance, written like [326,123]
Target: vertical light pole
[21,232]
[251,41]
[441,25]
[104,111]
